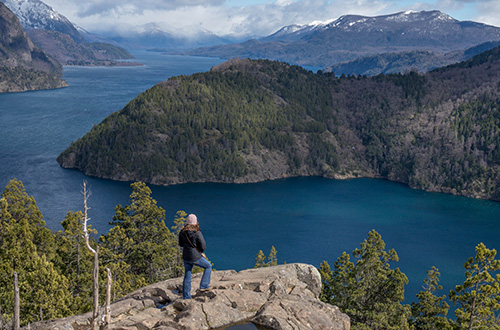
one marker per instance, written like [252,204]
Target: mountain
[253,120]
[68,52]
[35,14]
[23,66]
[60,38]
[352,36]
[418,60]
[152,36]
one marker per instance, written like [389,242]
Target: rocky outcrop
[23,66]
[283,297]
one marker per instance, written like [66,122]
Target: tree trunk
[16,304]
[108,297]
[95,275]
[1,317]
[95,314]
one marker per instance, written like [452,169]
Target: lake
[307,219]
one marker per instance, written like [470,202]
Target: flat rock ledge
[283,297]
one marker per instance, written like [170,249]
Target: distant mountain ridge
[152,36]
[60,38]
[400,62]
[23,66]
[352,36]
[254,120]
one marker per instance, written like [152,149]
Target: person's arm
[200,242]
[181,239]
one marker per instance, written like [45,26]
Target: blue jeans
[205,279]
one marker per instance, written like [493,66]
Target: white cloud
[488,12]
[231,17]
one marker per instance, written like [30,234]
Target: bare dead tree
[95,313]
[16,303]
[108,297]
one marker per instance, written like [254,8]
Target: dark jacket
[189,253]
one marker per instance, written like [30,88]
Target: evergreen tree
[75,261]
[369,291]
[22,206]
[272,258]
[141,239]
[429,313]
[339,282]
[43,290]
[478,297]
[326,282]
[260,260]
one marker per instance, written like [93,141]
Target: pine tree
[379,290]
[429,313]
[25,247]
[339,282]
[141,239]
[75,261]
[272,258]
[369,291]
[260,260]
[479,296]
[326,282]
[44,292]
[22,206]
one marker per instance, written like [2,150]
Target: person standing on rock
[193,244]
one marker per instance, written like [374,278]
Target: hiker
[193,244]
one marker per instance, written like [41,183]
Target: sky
[250,18]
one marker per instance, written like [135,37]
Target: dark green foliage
[55,269]
[479,296]
[27,247]
[141,239]
[255,120]
[75,261]
[262,261]
[369,291]
[429,313]
[203,127]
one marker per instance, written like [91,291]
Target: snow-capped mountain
[423,23]
[353,36]
[35,14]
[23,65]
[160,37]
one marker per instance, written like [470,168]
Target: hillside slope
[246,121]
[421,61]
[23,66]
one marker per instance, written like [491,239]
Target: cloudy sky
[251,18]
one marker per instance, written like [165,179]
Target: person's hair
[191,227]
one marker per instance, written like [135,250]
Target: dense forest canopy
[246,121]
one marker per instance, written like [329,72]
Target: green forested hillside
[246,121]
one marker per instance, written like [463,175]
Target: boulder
[283,297]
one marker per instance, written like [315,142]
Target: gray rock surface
[283,297]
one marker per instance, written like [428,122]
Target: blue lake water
[306,219]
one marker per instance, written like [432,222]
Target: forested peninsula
[253,120]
